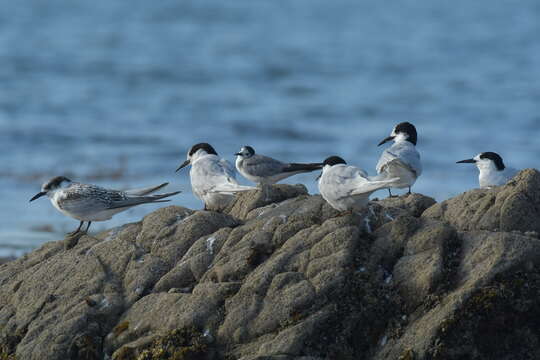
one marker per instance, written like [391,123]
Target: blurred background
[115,92]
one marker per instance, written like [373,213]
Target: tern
[264,170]
[493,172]
[347,188]
[401,160]
[213,179]
[88,203]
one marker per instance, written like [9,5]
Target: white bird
[347,188]
[213,179]
[401,160]
[88,203]
[493,172]
[264,170]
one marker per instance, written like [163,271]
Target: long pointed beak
[390,138]
[237,154]
[184,164]
[38,195]
[467,161]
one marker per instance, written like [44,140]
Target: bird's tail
[303,167]
[146,190]
[373,185]
[156,198]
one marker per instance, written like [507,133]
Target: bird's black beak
[38,195]
[184,164]
[390,138]
[237,154]
[467,161]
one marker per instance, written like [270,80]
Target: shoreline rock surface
[279,275]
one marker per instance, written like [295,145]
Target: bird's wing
[228,169]
[85,199]
[349,180]
[345,179]
[214,175]
[403,155]
[137,200]
[230,188]
[263,166]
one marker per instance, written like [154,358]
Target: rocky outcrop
[514,206]
[280,275]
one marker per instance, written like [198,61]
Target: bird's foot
[73,233]
[72,239]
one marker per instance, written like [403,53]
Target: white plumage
[213,180]
[492,171]
[347,188]
[401,160]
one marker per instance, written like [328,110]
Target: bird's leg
[391,196]
[88,227]
[72,238]
[265,188]
[78,229]
[409,192]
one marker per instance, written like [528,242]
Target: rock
[268,194]
[487,284]
[4,260]
[420,268]
[280,275]
[414,204]
[513,206]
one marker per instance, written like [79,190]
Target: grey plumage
[266,170]
[85,199]
[87,203]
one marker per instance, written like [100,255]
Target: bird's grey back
[344,175]
[210,171]
[405,152]
[78,192]
[260,165]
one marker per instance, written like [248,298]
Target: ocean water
[115,92]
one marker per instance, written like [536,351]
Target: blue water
[115,92]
